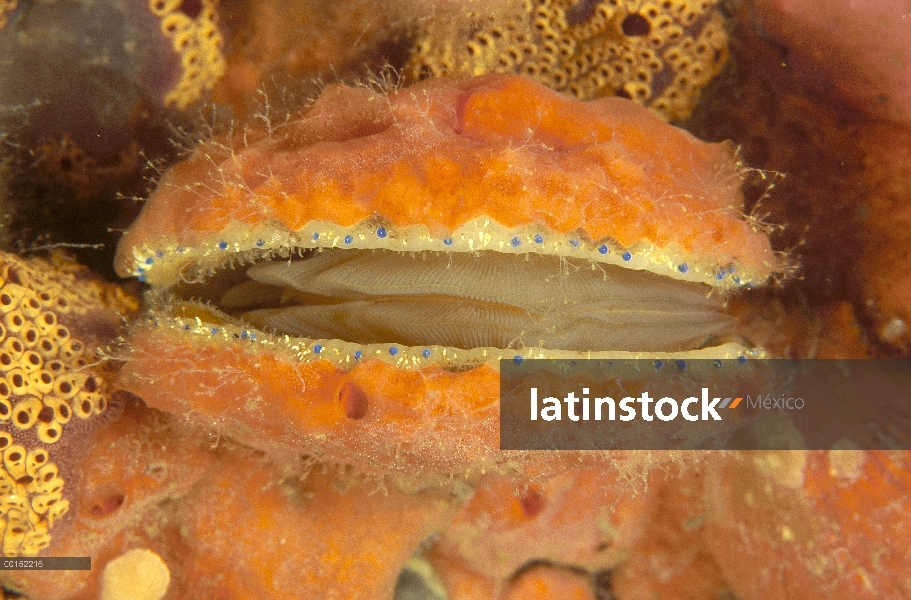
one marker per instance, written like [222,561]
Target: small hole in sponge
[46,415]
[107,505]
[635,25]
[191,8]
[354,401]
[532,503]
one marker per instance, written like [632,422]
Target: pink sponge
[859,48]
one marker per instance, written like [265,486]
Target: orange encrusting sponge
[443,153]
[376,416]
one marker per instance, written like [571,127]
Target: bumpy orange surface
[586,518]
[229,523]
[669,560]
[270,534]
[376,416]
[638,536]
[813,525]
[443,153]
[360,416]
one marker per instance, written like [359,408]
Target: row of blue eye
[516,242]
[316,348]
[680,364]
[393,351]
[382,233]
[244,335]
[426,353]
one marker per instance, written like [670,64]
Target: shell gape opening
[474,300]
